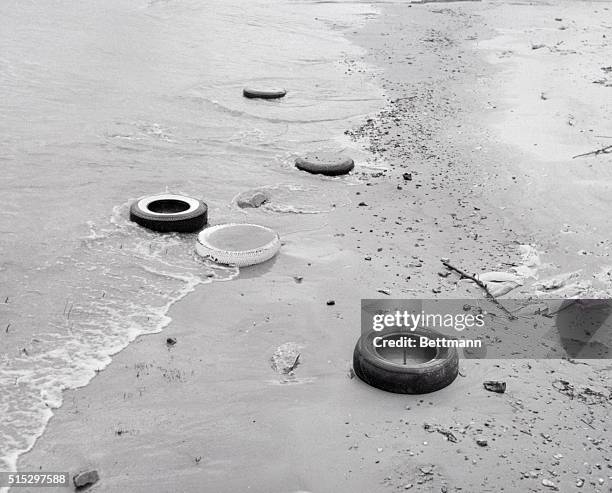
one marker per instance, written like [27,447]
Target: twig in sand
[587,423]
[295,363]
[596,152]
[480,284]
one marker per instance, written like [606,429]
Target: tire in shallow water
[437,368]
[325,164]
[251,93]
[238,244]
[170,213]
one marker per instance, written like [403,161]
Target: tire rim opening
[405,355]
[168,206]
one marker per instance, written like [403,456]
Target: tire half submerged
[169,213]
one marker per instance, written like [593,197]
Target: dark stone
[495,386]
[84,479]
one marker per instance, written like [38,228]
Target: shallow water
[104,102]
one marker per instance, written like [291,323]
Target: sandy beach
[487,105]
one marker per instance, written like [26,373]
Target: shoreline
[188,416]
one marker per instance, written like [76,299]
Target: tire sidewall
[405,379]
[181,222]
[325,169]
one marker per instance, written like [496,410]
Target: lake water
[103,102]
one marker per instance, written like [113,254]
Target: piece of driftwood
[596,152]
[480,284]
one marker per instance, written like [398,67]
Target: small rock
[549,484]
[407,176]
[298,279]
[171,341]
[252,199]
[495,386]
[362,204]
[579,483]
[408,486]
[482,442]
[83,479]
[330,303]
[537,46]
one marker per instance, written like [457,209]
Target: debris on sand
[549,484]
[171,341]
[495,386]
[450,436]
[500,283]
[83,479]
[596,152]
[252,199]
[556,282]
[286,358]
[585,394]
[481,442]
[480,283]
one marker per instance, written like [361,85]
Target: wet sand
[210,414]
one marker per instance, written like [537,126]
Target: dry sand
[481,120]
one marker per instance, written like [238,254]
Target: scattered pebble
[83,479]
[495,386]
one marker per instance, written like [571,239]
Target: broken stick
[596,152]
[480,284]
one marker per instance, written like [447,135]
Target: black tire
[170,213]
[320,164]
[416,378]
[251,93]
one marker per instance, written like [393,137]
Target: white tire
[238,244]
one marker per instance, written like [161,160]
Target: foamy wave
[119,285]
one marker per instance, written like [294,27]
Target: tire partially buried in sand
[405,371]
[169,212]
[270,93]
[238,244]
[325,164]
